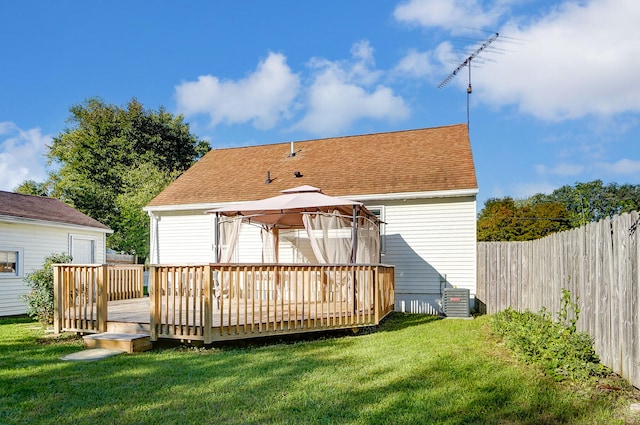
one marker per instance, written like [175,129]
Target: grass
[413,370]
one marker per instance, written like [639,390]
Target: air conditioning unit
[455,302]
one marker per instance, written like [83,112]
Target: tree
[111,161]
[565,208]
[32,187]
[593,201]
[507,220]
[140,185]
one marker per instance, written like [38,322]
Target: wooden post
[154,312]
[102,279]
[140,279]
[57,300]
[208,307]
[376,295]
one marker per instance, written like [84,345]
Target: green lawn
[414,369]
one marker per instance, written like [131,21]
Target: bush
[555,346]
[40,298]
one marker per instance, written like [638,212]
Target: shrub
[40,299]
[555,346]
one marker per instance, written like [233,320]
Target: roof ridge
[287,142]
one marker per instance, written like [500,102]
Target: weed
[555,346]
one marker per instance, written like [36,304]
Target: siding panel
[37,243]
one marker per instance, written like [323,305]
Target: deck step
[130,343]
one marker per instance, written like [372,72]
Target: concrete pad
[91,355]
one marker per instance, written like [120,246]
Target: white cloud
[525,190]
[562,62]
[262,98]
[563,169]
[622,167]
[22,155]
[415,64]
[344,92]
[580,59]
[449,14]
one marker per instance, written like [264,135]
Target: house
[420,183]
[32,228]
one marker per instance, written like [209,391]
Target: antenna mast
[467,62]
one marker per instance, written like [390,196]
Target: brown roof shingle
[45,209]
[430,159]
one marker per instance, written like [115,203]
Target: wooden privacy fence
[81,293]
[223,301]
[597,263]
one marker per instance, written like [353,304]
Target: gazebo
[338,230]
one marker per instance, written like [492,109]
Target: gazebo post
[216,238]
[354,235]
[354,256]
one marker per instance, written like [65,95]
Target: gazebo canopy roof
[285,211]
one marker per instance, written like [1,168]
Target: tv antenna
[467,62]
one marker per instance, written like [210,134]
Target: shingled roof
[424,160]
[41,208]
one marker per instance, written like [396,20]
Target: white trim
[22,220]
[94,245]
[377,197]
[457,193]
[186,207]
[20,262]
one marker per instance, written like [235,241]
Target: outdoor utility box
[455,302]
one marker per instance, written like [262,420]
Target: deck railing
[81,293]
[125,281]
[229,301]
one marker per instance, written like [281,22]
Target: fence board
[598,263]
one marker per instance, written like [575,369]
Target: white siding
[37,242]
[185,237]
[428,241]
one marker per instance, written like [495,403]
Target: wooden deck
[221,302]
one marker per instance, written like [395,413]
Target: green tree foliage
[111,161]
[593,201]
[40,299]
[140,185]
[32,187]
[506,220]
[567,207]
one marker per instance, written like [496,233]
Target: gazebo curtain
[330,237]
[228,238]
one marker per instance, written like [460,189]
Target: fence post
[208,308]
[154,310]
[376,295]
[102,280]
[140,279]
[57,300]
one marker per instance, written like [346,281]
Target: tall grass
[412,370]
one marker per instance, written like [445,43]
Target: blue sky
[555,98]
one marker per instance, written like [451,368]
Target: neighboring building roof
[424,160]
[41,208]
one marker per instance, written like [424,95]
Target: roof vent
[297,174]
[269,179]
[293,150]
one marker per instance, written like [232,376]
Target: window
[10,262]
[379,213]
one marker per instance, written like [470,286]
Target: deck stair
[130,343]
